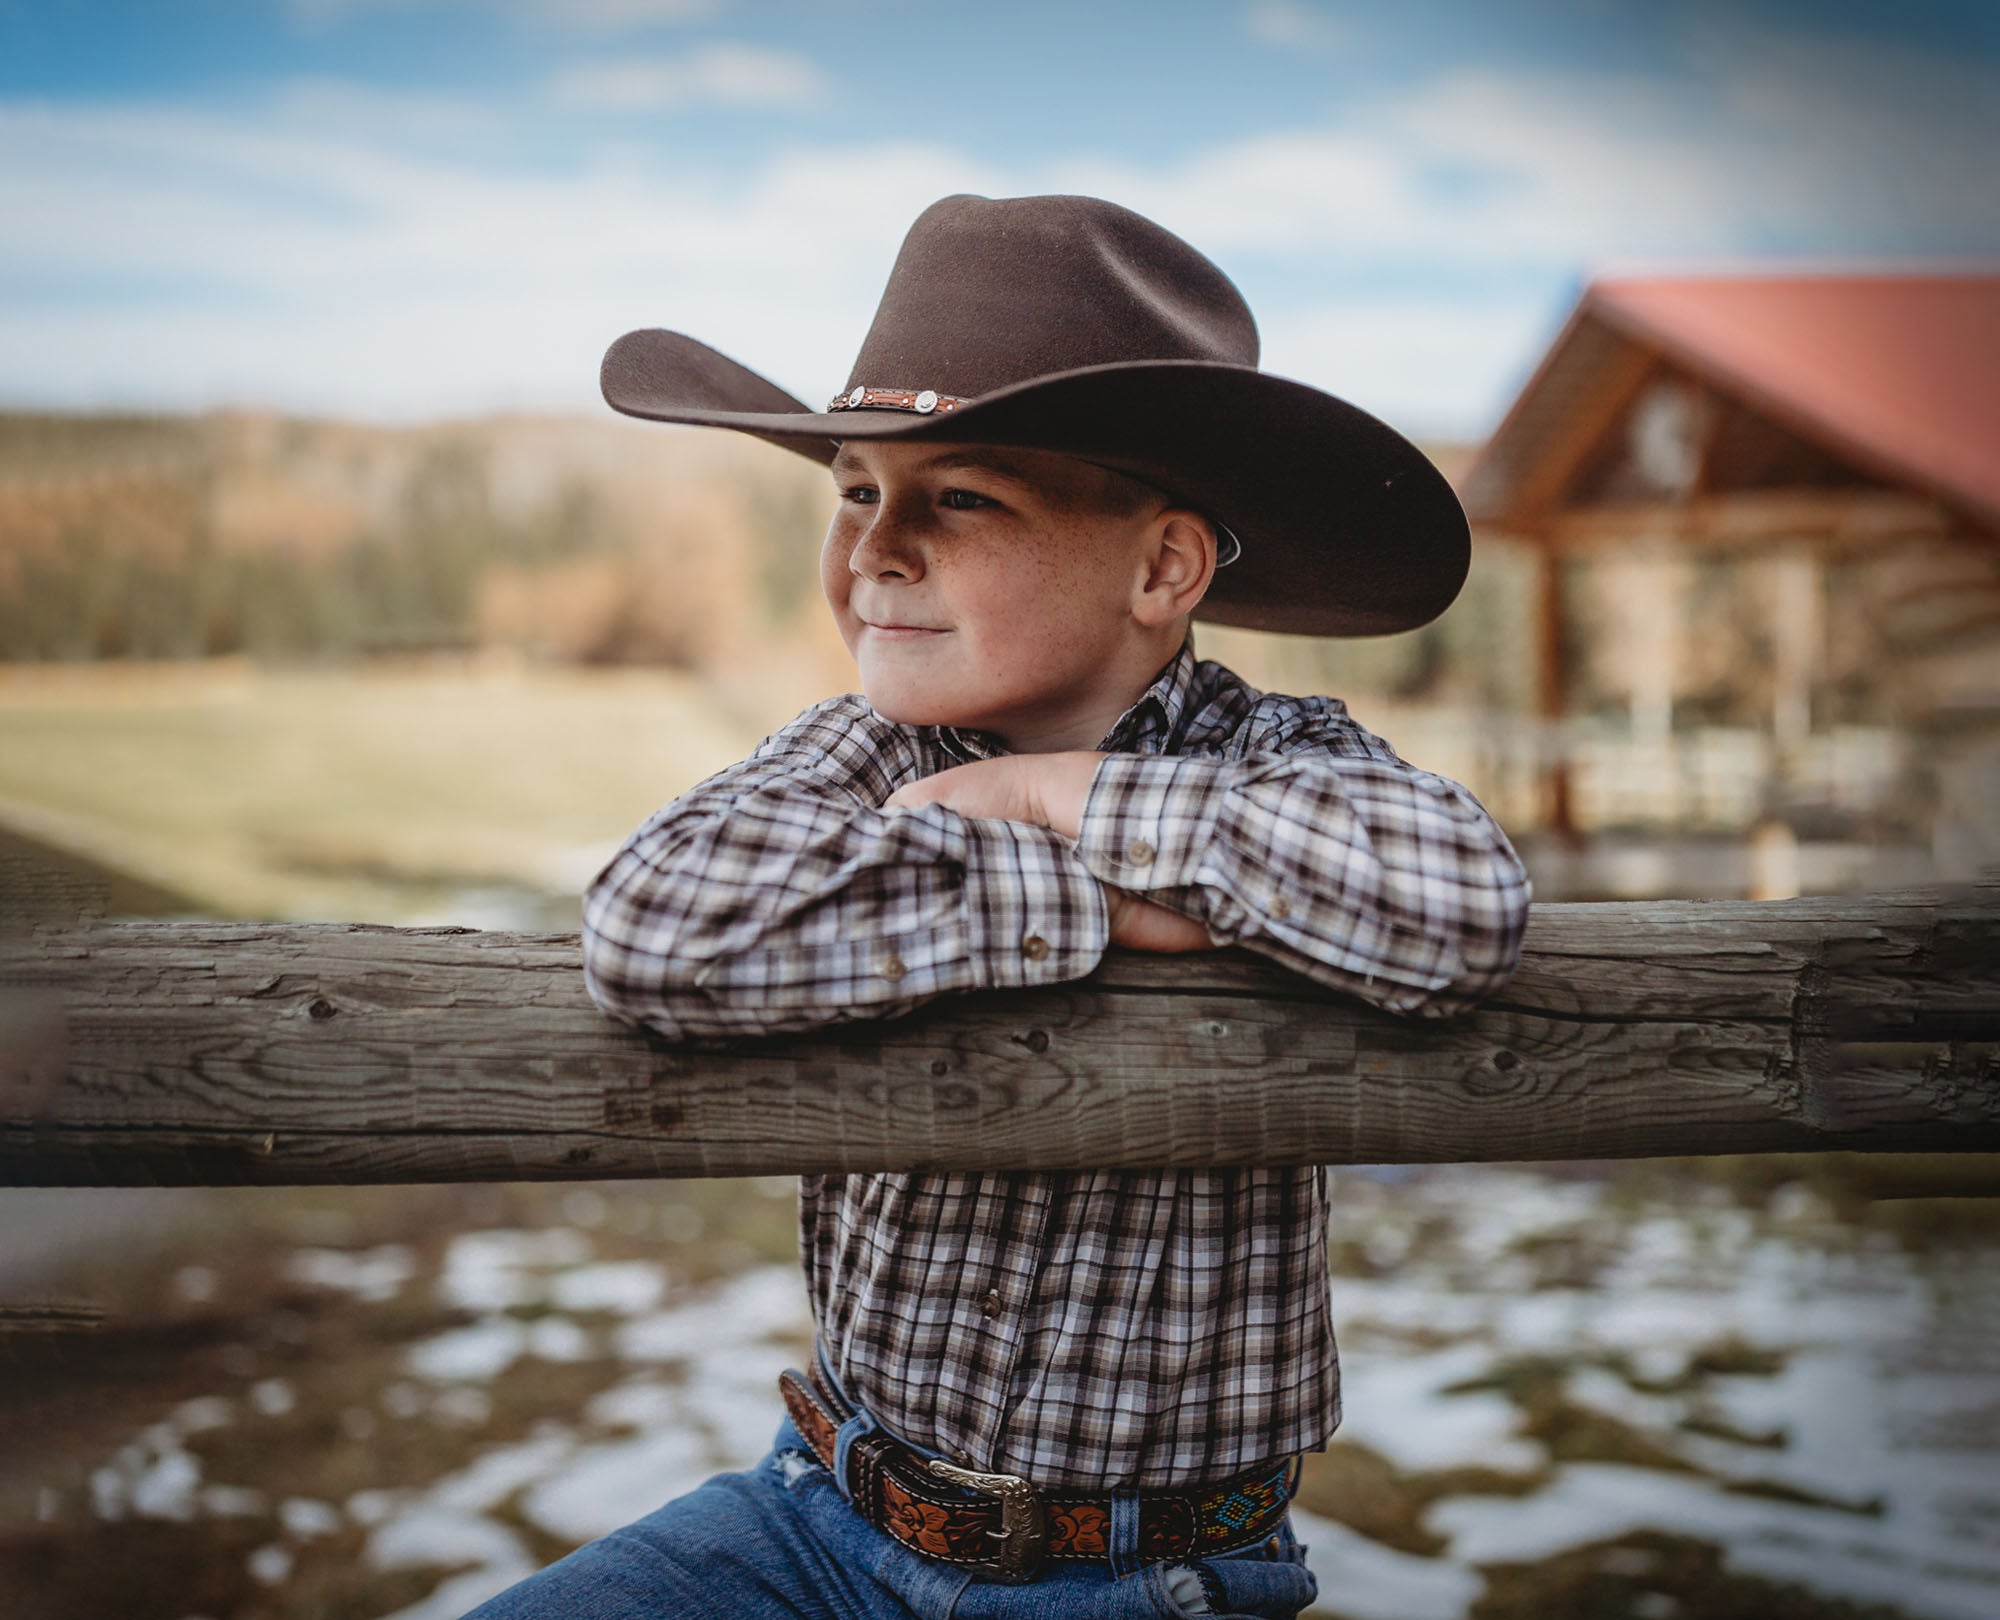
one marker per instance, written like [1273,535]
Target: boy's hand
[1046,790]
[1139,925]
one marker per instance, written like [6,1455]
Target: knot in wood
[320,1009]
[1036,1041]
[1499,1074]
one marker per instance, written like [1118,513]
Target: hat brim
[1347,528]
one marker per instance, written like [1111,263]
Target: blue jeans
[780,1540]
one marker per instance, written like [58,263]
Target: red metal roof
[1899,372]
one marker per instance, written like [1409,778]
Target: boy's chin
[911,711]
[914,708]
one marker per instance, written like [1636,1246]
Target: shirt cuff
[1033,913]
[1149,819]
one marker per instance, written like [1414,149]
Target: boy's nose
[886,549]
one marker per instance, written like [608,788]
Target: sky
[397,209]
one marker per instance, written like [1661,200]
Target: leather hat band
[924,401]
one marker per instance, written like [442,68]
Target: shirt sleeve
[1319,847]
[778,895]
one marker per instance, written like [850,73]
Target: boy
[1078,1393]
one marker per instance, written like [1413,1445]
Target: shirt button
[989,1307]
[1034,947]
[1140,853]
[893,969]
[1280,907]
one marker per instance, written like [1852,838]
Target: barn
[1762,517]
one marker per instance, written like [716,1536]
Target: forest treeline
[568,540]
[179,537]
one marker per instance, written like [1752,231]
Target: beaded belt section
[924,401]
[1004,1527]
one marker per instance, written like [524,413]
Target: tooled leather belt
[1003,1527]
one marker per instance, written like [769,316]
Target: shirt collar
[1150,726]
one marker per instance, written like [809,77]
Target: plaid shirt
[1140,1329]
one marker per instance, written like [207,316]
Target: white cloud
[590,16]
[613,14]
[335,249]
[343,276]
[1291,23]
[1816,143]
[1904,136]
[715,75]
[338,107]
[1432,366]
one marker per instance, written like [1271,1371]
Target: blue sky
[398,208]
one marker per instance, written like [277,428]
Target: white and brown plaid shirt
[1110,1328]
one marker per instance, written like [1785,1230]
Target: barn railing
[198,1053]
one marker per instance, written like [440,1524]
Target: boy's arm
[1318,847]
[778,895]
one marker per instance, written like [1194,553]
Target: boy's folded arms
[854,867]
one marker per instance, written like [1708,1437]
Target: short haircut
[1125,496]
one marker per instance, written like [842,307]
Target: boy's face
[987,588]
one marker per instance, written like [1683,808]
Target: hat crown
[986,293]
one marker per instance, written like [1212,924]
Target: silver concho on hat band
[924,401]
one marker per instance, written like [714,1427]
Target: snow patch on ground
[1878,1400]
[770,1300]
[1841,1554]
[1365,1580]
[484,1349]
[1399,1407]
[425,1534]
[627,1287]
[720,1413]
[370,1274]
[491,1271]
[605,1486]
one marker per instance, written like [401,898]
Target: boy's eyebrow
[970,457]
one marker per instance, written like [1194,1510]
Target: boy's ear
[1180,561]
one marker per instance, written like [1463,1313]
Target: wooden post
[1552,690]
[196,1053]
[1796,612]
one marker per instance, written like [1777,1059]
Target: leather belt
[1002,1526]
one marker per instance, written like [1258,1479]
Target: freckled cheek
[835,582]
[1008,654]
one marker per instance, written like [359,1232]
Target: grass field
[479,792]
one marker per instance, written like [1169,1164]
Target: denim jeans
[780,1540]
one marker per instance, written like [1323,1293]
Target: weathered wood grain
[190,1053]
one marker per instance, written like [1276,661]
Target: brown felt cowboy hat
[1074,325]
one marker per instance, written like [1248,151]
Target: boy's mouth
[902,632]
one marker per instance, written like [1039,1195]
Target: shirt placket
[993,1310]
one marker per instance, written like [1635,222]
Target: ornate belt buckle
[1023,1532]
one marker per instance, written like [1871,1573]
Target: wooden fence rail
[196,1053]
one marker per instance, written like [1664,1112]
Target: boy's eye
[965,500]
[863,494]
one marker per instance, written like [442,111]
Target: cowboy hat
[1074,325]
